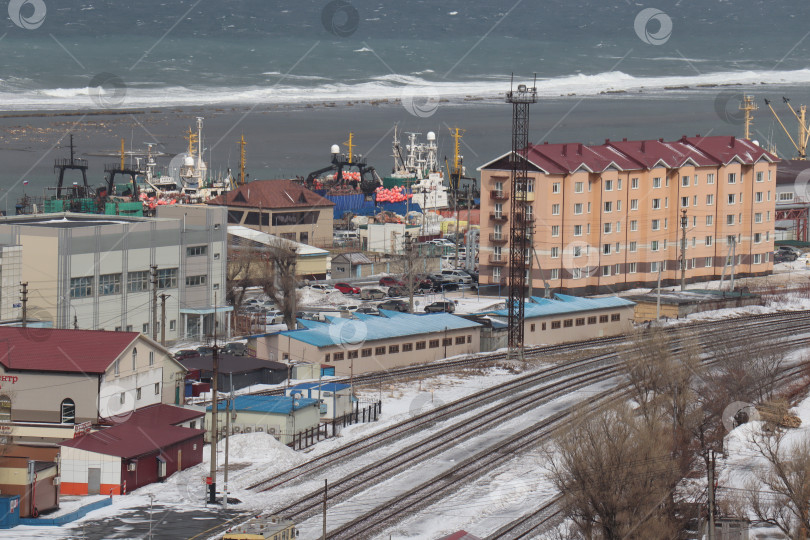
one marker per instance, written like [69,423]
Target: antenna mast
[748,106]
[242,145]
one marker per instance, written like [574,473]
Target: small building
[335,398]
[32,473]
[280,207]
[249,252]
[151,445]
[283,417]
[677,304]
[564,318]
[245,371]
[368,343]
[360,265]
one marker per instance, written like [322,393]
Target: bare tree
[617,474]
[279,280]
[242,261]
[780,495]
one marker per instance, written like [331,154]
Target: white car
[458,275]
[273,317]
[325,289]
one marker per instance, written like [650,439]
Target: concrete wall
[10,278]
[74,465]
[37,397]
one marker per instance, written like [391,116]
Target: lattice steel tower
[520,227]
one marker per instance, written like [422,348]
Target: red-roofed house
[282,208]
[52,380]
[150,445]
[608,217]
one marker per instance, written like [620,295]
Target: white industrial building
[94,271]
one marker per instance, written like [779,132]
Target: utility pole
[24,300]
[325,486]
[228,435]
[409,269]
[733,260]
[710,535]
[153,269]
[658,299]
[684,223]
[212,493]
[163,298]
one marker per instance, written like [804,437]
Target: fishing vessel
[418,170]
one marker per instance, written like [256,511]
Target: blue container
[9,511]
[189,387]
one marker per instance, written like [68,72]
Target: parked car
[796,251]
[205,350]
[370,293]
[236,349]
[368,310]
[273,317]
[323,287]
[781,256]
[347,288]
[186,353]
[460,276]
[443,283]
[394,305]
[439,307]
[389,281]
[397,291]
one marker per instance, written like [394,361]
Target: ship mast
[123,153]
[351,146]
[199,147]
[242,145]
[748,106]
[457,172]
[800,144]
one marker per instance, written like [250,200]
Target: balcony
[498,195]
[493,216]
[497,238]
[527,196]
[525,219]
[497,259]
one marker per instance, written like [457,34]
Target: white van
[344,237]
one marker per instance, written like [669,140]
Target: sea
[601,69]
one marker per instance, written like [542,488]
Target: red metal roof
[146,431]
[49,349]
[636,155]
[270,194]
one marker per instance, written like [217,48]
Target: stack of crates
[54,206]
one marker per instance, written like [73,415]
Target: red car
[345,288]
[388,281]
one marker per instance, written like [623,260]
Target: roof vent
[660,140]
[579,149]
[607,141]
[697,136]
[545,142]
[643,145]
[732,141]
[683,138]
[624,139]
[565,149]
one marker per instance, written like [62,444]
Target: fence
[308,437]
[67,518]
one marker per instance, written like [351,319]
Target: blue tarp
[357,204]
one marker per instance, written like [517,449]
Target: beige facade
[247,249]
[282,426]
[608,217]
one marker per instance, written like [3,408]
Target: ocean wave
[312,89]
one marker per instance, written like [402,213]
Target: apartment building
[610,217]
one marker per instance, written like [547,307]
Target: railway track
[484,461]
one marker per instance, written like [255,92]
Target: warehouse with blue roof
[336,398]
[368,343]
[281,416]
[565,318]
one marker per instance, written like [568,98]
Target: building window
[656,204]
[173,325]
[603,318]
[167,278]
[379,351]
[576,251]
[134,358]
[580,321]
[606,271]
[608,185]
[710,178]
[760,176]
[109,284]
[757,238]
[157,388]
[606,249]
[708,262]
[555,230]
[555,209]
[615,317]
[633,247]
[555,273]
[365,353]
[757,258]
[709,240]
[151,358]
[447,342]
[577,230]
[758,217]
[684,181]
[194,251]
[337,356]
[138,394]
[568,323]
[730,219]
[684,202]
[732,178]
[5,409]
[709,220]
[420,345]
[656,224]
[434,343]
[194,281]
[145,328]
[407,347]
[556,325]
[578,187]
[555,187]
[608,226]
[730,198]
[633,268]
[393,349]
[633,204]
[327,357]
[576,273]
[608,207]
[532,328]
[68,412]
[496,273]
[656,182]
[654,245]
[555,252]
[81,287]
[460,340]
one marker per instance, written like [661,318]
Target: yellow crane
[800,143]
[242,145]
[191,137]
[351,146]
[123,153]
[748,106]
[457,171]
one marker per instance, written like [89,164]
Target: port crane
[800,143]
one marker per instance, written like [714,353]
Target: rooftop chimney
[607,141]
[579,149]
[624,139]
[564,149]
